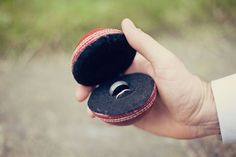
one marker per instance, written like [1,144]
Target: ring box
[100,60]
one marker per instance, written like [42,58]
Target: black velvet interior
[104,59]
[141,86]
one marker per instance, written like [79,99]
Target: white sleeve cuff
[224,91]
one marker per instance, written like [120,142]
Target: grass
[57,24]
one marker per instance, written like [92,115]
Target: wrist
[210,123]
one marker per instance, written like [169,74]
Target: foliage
[31,25]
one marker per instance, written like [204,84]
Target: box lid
[101,54]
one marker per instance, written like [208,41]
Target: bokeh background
[39,115]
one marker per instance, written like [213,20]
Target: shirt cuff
[224,91]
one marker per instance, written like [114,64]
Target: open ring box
[100,60]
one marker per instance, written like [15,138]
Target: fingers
[82,92]
[140,65]
[145,44]
[90,113]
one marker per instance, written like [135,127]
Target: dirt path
[40,117]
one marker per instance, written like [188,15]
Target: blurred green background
[50,24]
[39,115]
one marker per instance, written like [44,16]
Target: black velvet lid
[103,59]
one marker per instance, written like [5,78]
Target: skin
[185,106]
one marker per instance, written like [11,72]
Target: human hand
[185,106]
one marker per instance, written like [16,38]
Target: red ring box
[100,59]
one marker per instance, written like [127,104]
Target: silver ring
[115,85]
[122,92]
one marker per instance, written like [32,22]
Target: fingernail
[78,96]
[129,23]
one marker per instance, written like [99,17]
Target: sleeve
[224,91]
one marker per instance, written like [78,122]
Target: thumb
[155,53]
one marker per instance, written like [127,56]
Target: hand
[185,106]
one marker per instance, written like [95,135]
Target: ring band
[117,84]
[122,92]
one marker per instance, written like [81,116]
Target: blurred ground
[40,117]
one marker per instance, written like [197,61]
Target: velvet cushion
[104,59]
[141,87]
